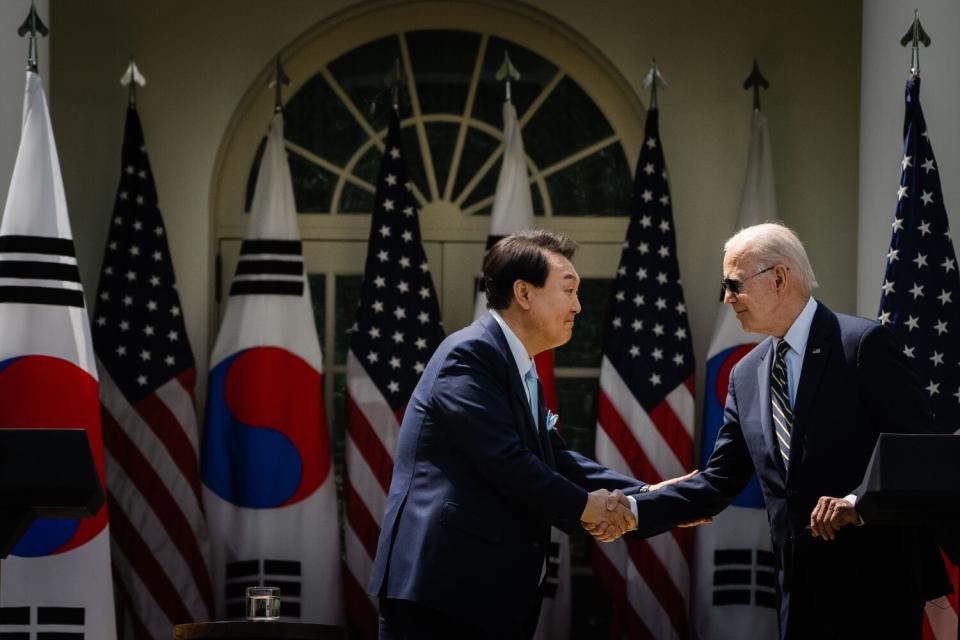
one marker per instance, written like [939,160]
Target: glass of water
[263,603]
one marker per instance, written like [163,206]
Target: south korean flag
[57,580]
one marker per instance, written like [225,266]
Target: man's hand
[830,515]
[687,476]
[659,485]
[607,516]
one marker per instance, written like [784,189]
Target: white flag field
[737,543]
[266,458]
[57,579]
[513,211]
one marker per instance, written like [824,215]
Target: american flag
[921,293]
[646,403]
[397,329]
[158,533]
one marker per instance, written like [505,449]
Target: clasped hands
[608,516]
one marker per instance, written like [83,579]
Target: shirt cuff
[633,509]
[852,499]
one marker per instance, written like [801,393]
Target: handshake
[608,515]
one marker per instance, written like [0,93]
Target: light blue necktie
[532,381]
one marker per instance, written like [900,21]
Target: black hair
[521,256]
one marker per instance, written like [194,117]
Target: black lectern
[915,478]
[45,473]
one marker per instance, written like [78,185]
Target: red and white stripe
[650,580]
[159,537]
[372,432]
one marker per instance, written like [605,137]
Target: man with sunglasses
[804,410]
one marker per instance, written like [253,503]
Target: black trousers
[902,622]
[407,620]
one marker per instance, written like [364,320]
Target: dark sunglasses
[735,286]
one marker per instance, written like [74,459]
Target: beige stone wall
[200,58]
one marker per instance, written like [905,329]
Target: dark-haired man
[480,475]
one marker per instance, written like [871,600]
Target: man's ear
[780,273]
[521,292]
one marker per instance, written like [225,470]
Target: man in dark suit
[480,474]
[804,410]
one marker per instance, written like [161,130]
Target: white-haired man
[804,410]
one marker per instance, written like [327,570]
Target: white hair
[771,243]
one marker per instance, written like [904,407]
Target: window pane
[477,147]
[318,121]
[535,73]
[598,185]
[363,75]
[442,63]
[411,150]
[443,139]
[353,199]
[537,198]
[584,348]
[318,296]
[368,165]
[346,297]
[565,123]
[312,185]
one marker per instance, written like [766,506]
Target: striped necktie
[780,399]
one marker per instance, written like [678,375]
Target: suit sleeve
[890,389]
[586,473]
[727,472]
[469,398]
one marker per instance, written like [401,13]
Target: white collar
[520,355]
[799,331]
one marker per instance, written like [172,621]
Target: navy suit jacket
[855,383]
[476,487]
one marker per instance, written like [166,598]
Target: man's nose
[729,297]
[576,305]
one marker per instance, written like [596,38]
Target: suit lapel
[527,427]
[766,418]
[814,364]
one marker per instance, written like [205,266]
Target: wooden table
[257,631]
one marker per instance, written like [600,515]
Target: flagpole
[280,80]
[756,81]
[917,36]
[394,82]
[653,81]
[131,78]
[507,72]
[32,25]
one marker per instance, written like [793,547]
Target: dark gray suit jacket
[855,383]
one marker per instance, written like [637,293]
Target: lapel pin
[816,351]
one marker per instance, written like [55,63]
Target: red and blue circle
[43,392]
[719,368]
[265,444]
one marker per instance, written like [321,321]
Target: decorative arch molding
[446,213]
